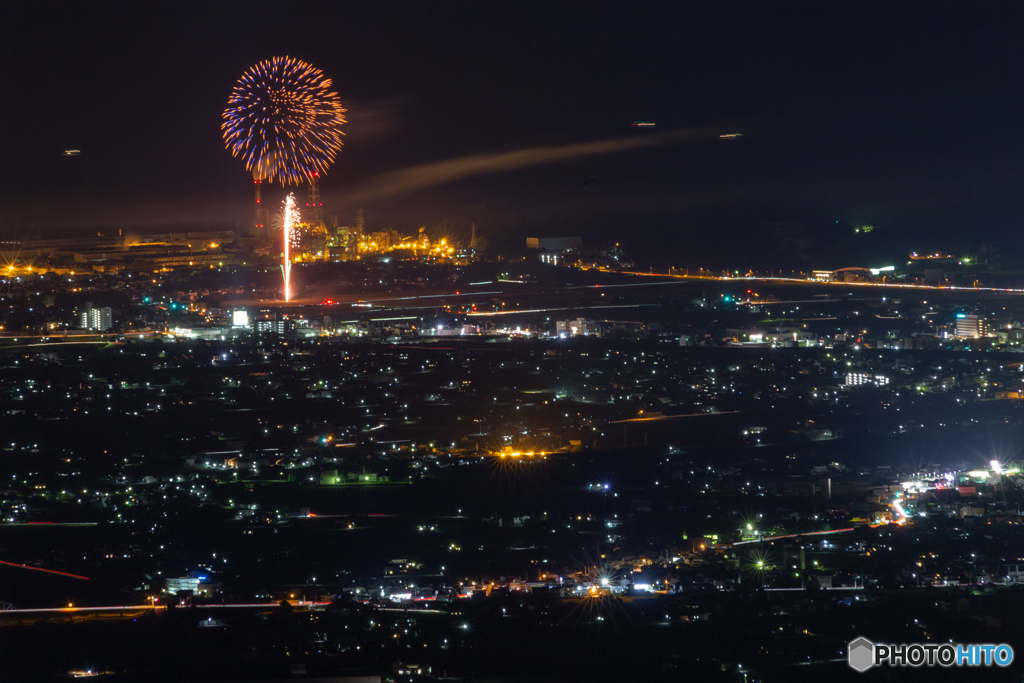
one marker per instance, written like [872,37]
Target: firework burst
[284,121]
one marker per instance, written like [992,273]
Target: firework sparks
[284,121]
[289,228]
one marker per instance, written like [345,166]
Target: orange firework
[284,121]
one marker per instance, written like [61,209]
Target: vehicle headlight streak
[899,508]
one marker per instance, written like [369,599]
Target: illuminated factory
[315,240]
[320,240]
[353,242]
[210,249]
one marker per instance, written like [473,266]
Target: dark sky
[905,116]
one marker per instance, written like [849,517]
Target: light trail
[129,608]
[437,296]
[15,335]
[809,533]
[827,588]
[549,310]
[826,283]
[899,508]
[48,571]
[625,284]
[301,603]
[74,343]
[671,417]
[36,524]
[44,610]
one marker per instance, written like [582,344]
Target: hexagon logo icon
[860,654]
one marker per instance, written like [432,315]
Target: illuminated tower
[260,214]
[257,224]
[472,238]
[314,206]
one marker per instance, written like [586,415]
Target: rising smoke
[441,172]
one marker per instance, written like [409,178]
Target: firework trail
[284,121]
[290,230]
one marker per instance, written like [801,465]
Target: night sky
[905,116]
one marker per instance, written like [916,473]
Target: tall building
[313,215]
[262,215]
[854,379]
[183,583]
[274,325]
[554,250]
[554,243]
[970,326]
[571,328]
[100,319]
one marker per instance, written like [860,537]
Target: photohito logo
[862,654]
